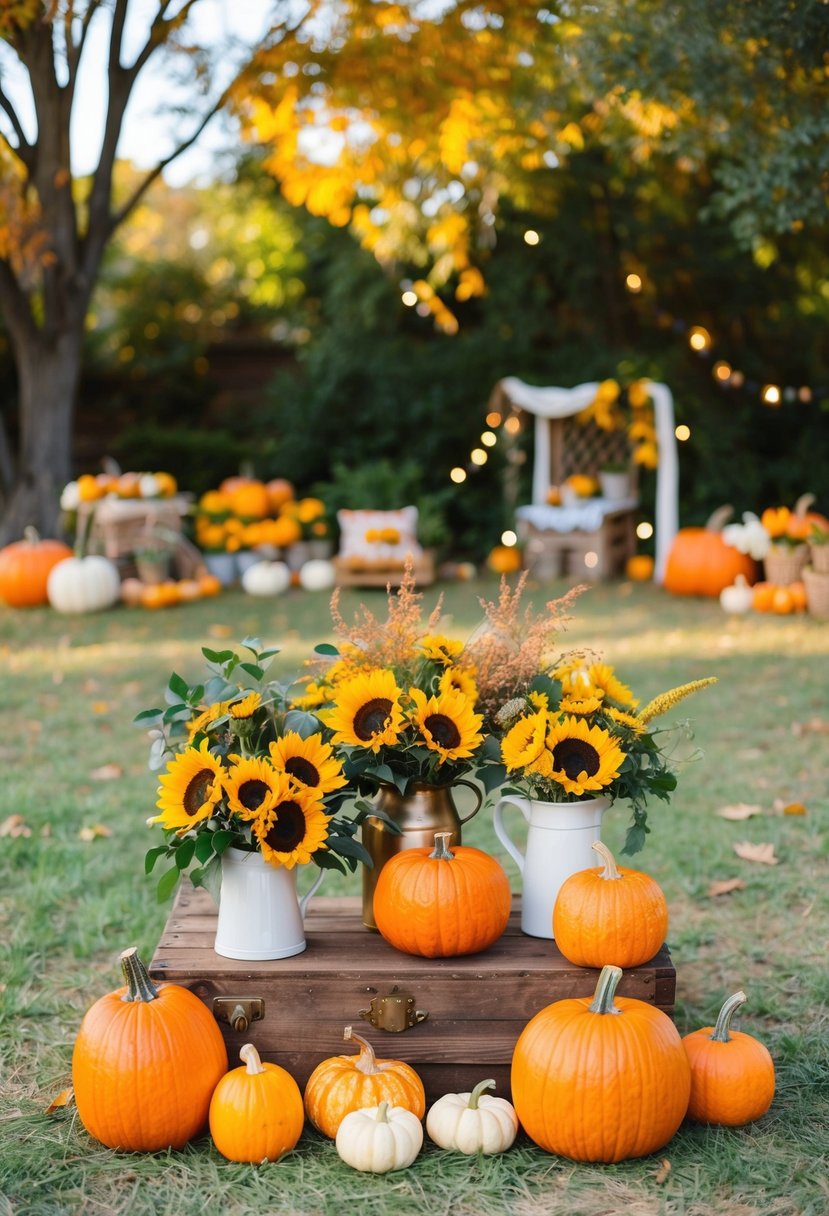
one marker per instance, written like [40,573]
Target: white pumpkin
[474,1122]
[266,578]
[317,575]
[737,598]
[378,1139]
[83,584]
[149,486]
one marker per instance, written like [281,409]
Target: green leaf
[326,860]
[349,848]
[634,840]
[325,648]
[178,711]
[252,644]
[152,856]
[167,884]
[210,877]
[184,853]
[204,847]
[223,840]
[302,722]
[253,669]
[148,715]
[269,653]
[382,772]
[491,776]
[178,686]
[216,656]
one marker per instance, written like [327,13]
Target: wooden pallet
[477,1005]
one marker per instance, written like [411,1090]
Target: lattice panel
[585,448]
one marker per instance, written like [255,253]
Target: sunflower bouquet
[240,767]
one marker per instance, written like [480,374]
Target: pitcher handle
[501,831]
[478,795]
[315,886]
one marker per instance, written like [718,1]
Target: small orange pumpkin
[440,903]
[209,585]
[701,563]
[600,1080]
[610,915]
[781,601]
[797,591]
[639,568]
[802,520]
[732,1074]
[762,596]
[25,566]
[146,1061]
[345,1083]
[256,1112]
[251,501]
[504,559]
[280,491]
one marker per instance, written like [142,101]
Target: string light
[458,475]
[699,339]
[633,282]
[512,425]
[409,298]
[722,371]
[489,439]
[531,237]
[478,456]
[493,418]
[682,432]
[591,559]
[509,538]
[644,530]
[770,394]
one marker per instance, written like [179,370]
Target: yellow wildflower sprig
[667,700]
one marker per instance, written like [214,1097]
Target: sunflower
[202,721]
[440,649]
[447,722]
[242,708]
[583,757]
[190,788]
[523,744]
[602,676]
[367,712]
[580,705]
[629,720]
[460,679]
[253,786]
[309,761]
[291,831]
[575,678]
[313,696]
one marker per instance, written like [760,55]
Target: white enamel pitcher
[558,844]
[260,914]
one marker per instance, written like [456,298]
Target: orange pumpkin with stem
[610,915]
[802,519]
[701,563]
[146,1061]
[345,1083]
[504,559]
[732,1074]
[600,1080]
[25,566]
[256,1112]
[440,903]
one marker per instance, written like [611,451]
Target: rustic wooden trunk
[477,1005]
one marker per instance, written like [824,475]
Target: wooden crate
[477,1005]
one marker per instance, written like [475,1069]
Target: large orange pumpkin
[345,1083]
[280,491]
[600,1080]
[251,501]
[440,903]
[256,1112]
[732,1074]
[701,563]
[146,1061]
[802,520]
[610,915]
[25,566]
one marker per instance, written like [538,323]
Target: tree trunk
[48,375]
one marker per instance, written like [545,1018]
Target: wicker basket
[784,565]
[817,592]
[820,558]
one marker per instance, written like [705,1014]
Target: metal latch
[394,1012]
[239,1011]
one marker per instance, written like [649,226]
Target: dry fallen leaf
[107,772]
[219,631]
[92,833]
[15,825]
[815,726]
[794,808]
[663,1171]
[100,707]
[64,1098]
[762,852]
[724,886]
[740,810]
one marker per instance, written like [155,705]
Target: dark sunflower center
[303,770]
[198,790]
[574,756]
[371,718]
[443,730]
[288,829]
[252,794]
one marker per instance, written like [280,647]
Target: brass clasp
[239,1011]
[394,1012]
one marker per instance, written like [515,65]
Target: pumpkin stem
[441,850]
[382,1115]
[139,985]
[611,870]
[727,1012]
[719,518]
[472,1104]
[740,580]
[250,1056]
[31,535]
[803,503]
[606,990]
[366,1061]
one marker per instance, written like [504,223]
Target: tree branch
[24,149]
[74,50]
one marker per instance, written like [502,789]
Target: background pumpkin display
[256,1112]
[732,1073]
[145,1063]
[440,903]
[25,566]
[83,584]
[701,563]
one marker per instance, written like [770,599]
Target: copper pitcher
[423,810]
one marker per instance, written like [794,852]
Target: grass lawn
[73,899]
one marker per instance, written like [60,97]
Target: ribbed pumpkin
[639,568]
[442,903]
[600,1080]
[25,566]
[256,1112]
[701,563]
[146,1061]
[251,501]
[345,1083]
[732,1074]
[504,559]
[609,915]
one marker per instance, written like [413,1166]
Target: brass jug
[423,810]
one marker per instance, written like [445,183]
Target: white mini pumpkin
[378,1139]
[83,584]
[737,598]
[474,1122]
[317,575]
[266,578]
